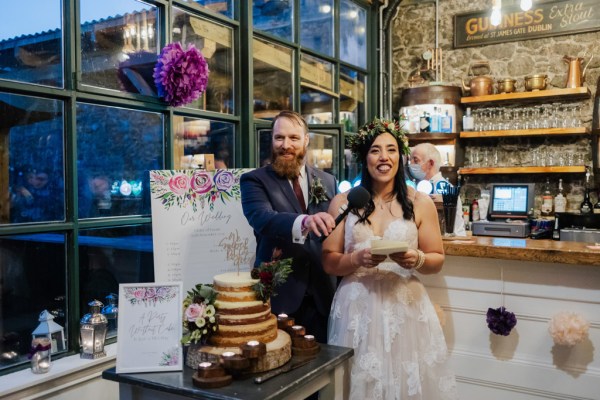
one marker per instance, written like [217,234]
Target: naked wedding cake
[243,317]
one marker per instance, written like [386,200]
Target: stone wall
[413,32]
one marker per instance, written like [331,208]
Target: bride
[381,309]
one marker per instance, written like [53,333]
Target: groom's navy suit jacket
[270,205]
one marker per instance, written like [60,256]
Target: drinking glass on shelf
[570,156]
[549,158]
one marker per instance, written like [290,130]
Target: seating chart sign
[149,327]
[198,226]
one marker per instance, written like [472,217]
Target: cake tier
[279,352]
[244,319]
[234,281]
[236,335]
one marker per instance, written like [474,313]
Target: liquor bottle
[435,120]
[586,206]
[475,210]
[560,201]
[446,123]
[425,122]
[547,200]
[468,121]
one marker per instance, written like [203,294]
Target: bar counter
[549,251]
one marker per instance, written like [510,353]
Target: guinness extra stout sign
[542,20]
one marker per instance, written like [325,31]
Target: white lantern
[51,330]
[92,332]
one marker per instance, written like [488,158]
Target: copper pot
[535,82]
[480,85]
[506,85]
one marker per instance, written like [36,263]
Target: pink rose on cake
[199,316]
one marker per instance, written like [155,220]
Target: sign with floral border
[198,227]
[149,327]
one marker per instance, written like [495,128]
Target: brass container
[506,85]
[535,82]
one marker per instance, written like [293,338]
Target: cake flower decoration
[270,275]
[181,76]
[500,321]
[199,315]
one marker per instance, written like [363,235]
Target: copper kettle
[575,76]
[479,85]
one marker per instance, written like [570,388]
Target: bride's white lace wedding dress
[385,314]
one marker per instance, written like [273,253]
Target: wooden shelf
[549,95]
[438,138]
[525,132]
[521,170]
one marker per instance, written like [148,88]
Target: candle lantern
[50,330]
[92,332]
[111,311]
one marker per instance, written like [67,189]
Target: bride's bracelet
[420,259]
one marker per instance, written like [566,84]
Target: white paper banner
[198,227]
[150,327]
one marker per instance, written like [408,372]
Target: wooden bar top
[549,251]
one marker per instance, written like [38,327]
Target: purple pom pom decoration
[500,321]
[180,75]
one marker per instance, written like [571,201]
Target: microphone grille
[358,197]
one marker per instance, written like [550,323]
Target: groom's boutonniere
[318,193]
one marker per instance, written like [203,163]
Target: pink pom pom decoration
[180,75]
[568,328]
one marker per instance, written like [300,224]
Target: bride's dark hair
[400,189]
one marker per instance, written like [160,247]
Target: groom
[286,204]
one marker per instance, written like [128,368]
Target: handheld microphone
[358,197]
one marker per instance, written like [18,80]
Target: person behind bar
[425,160]
[381,308]
[286,204]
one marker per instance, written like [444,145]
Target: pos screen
[511,200]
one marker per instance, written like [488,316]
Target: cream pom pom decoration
[568,328]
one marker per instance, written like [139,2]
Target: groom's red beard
[288,168]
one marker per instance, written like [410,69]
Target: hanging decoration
[499,320]
[568,328]
[181,76]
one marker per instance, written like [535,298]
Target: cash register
[508,211]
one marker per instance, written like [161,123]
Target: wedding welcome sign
[198,226]
[149,327]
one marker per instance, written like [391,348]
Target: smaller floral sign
[149,327]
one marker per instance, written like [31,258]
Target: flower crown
[367,133]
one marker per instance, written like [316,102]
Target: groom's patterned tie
[299,194]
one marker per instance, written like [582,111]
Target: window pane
[119,45]
[224,7]
[316,25]
[275,17]
[353,34]
[352,99]
[31,47]
[31,139]
[33,279]
[215,43]
[116,148]
[317,96]
[194,136]
[110,256]
[272,79]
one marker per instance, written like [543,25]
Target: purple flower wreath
[500,321]
[180,75]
